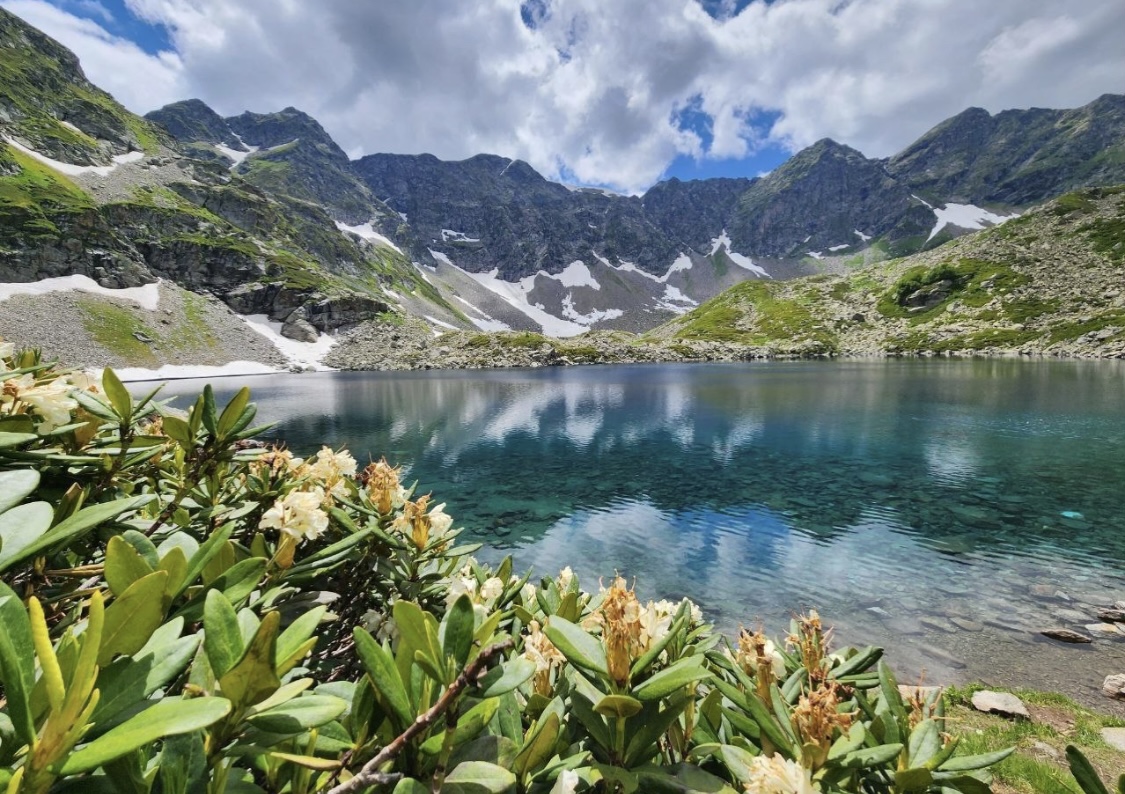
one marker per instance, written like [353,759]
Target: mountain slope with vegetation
[1049,282]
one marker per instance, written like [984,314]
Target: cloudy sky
[613,92]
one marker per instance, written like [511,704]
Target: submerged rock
[1066,635]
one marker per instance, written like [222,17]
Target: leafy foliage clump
[186,609]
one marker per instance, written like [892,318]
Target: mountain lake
[947,510]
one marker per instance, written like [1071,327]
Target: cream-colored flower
[328,464]
[566,576]
[776,775]
[492,589]
[298,514]
[527,594]
[440,521]
[463,583]
[540,650]
[383,486]
[7,350]
[51,401]
[656,619]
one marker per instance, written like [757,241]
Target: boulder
[299,329]
[1002,703]
[1114,686]
[1111,615]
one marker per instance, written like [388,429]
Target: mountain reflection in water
[914,503]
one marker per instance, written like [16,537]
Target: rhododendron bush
[187,609]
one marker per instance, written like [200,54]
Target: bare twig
[369,775]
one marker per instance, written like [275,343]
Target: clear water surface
[947,509]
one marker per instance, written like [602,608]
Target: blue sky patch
[116,18]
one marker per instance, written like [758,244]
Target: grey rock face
[298,328]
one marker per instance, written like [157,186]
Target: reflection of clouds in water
[951,459]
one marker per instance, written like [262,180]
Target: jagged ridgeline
[265,212]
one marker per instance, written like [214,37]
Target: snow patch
[966,216]
[440,323]
[368,233]
[306,354]
[515,294]
[860,235]
[919,198]
[840,247]
[147,297]
[75,170]
[682,263]
[816,254]
[806,239]
[450,236]
[177,371]
[569,312]
[576,274]
[439,256]
[743,261]
[675,301]
[236,155]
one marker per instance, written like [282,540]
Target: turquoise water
[952,509]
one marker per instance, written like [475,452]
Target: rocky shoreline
[413,345]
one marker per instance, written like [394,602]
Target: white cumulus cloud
[595,91]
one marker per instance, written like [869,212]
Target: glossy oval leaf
[123,565]
[667,681]
[457,631]
[168,717]
[222,639]
[17,662]
[389,689]
[479,777]
[132,618]
[15,486]
[20,528]
[506,677]
[581,649]
[299,714]
[621,706]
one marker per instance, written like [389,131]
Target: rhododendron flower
[776,775]
[492,589]
[51,400]
[298,515]
[383,486]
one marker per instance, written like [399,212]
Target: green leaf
[419,629]
[132,618]
[299,714]
[17,663]
[15,486]
[78,524]
[128,682]
[389,689]
[21,528]
[183,764]
[478,777]
[738,761]
[117,394]
[925,742]
[914,779]
[198,561]
[457,631]
[253,678]
[580,648]
[123,565]
[233,412]
[618,706]
[208,411]
[965,763]
[682,673]
[169,717]
[239,581]
[469,726]
[409,785]
[539,746]
[871,756]
[179,431]
[298,633]
[222,640]
[646,729]
[506,677]
[681,779]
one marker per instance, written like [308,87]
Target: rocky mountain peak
[194,120]
[268,130]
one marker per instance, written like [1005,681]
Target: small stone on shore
[1002,703]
